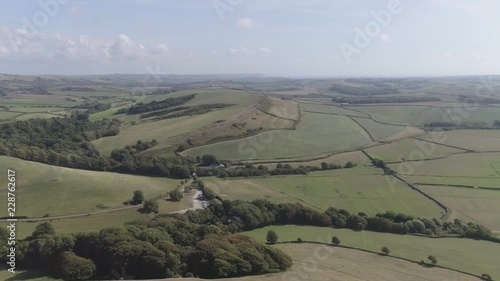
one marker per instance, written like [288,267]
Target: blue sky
[273,37]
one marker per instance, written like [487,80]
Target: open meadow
[50,190]
[474,205]
[359,189]
[316,134]
[476,257]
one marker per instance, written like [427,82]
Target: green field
[457,180]
[165,130]
[475,114]
[356,157]
[379,131]
[350,189]
[316,134]
[410,149]
[435,114]
[477,140]
[464,165]
[400,114]
[331,109]
[44,189]
[476,205]
[467,255]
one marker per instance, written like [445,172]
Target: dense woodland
[166,246]
[140,108]
[67,142]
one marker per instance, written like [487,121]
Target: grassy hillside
[316,134]
[468,255]
[44,189]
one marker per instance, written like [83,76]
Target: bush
[386,250]
[72,267]
[299,240]
[432,259]
[335,241]
[150,206]
[138,197]
[486,277]
[175,195]
[271,237]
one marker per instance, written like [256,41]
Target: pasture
[356,157]
[411,149]
[472,256]
[475,205]
[331,109]
[44,189]
[377,130]
[454,180]
[352,189]
[394,114]
[476,140]
[486,165]
[315,135]
[319,263]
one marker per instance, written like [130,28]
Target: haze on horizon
[272,37]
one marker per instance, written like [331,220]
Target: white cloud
[246,23]
[19,44]
[385,37]
[239,51]
[265,49]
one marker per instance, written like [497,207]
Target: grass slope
[476,257]
[44,189]
[317,134]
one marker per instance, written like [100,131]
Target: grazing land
[486,165]
[398,115]
[411,149]
[475,205]
[70,191]
[331,134]
[476,257]
[340,264]
[476,140]
[350,189]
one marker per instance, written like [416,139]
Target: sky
[273,37]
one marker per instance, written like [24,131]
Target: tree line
[67,142]
[168,246]
[155,105]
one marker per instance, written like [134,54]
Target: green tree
[208,160]
[432,259]
[150,206]
[484,276]
[324,166]
[335,241]
[72,267]
[386,250]
[138,197]
[175,195]
[43,228]
[272,237]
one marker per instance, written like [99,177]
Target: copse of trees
[156,105]
[167,246]
[175,195]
